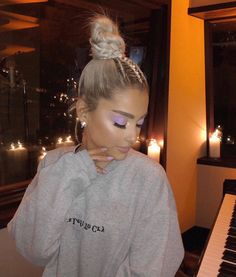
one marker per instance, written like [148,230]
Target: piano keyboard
[219,259]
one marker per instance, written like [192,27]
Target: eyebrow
[129,115]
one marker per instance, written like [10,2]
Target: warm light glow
[137,144]
[59,140]
[154,150]
[12,146]
[161,143]
[20,146]
[44,152]
[68,139]
[214,144]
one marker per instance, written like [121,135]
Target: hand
[98,155]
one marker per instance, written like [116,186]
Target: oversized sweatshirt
[76,222]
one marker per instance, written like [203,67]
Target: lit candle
[69,142]
[16,163]
[59,143]
[154,150]
[137,144]
[214,145]
[43,154]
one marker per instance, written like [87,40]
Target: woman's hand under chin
[100,158]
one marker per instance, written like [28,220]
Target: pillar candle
[154,150]
[214,146]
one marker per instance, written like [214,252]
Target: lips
[123,149]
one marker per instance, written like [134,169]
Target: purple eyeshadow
[119,120]
[140,122]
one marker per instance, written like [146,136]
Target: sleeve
[39,221]
[157,248]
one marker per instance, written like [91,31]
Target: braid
[130,70]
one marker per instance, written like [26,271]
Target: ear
[81,110]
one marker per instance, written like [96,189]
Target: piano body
[219,259]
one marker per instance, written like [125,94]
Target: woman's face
[116,123]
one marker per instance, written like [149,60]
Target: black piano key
[231,246]
[231,239]
[221,274]
[232,232]
[232,224]
[228,266]
[233,221]
[229,256]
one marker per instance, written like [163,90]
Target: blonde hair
[109,70]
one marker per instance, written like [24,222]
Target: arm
[157,248]
[40,219]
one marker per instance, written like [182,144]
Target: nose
[131,134]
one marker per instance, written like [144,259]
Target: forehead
[129,100]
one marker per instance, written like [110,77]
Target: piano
[219,258]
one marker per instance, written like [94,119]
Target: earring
[83,124]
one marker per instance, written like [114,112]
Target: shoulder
[150,175]
[68,161]
[54,155]
[144,164]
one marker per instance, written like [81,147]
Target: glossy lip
[123,149]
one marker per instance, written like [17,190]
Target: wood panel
[14,2]
[217,11]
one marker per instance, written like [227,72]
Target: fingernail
[110,158]
[103,149]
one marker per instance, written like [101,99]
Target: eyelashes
[123,126]
[121,122]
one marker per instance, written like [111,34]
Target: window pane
[40,65]
[224,61]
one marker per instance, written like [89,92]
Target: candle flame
[12,146]
[153,142]
[68,139]
[216,135]
[20,146]
[59,140]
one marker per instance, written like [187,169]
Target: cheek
[105,133]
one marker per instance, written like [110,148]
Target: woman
[102,209]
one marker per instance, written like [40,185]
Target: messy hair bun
[106,42]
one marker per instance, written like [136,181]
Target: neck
[86,145]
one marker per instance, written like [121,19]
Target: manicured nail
[110,158]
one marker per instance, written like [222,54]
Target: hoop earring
[83,124]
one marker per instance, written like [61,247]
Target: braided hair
[109,70]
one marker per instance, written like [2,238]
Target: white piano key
[212,257]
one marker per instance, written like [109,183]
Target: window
[220,58]
[42,53]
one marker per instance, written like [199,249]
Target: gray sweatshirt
[76,222]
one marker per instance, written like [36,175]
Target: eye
[121,126]
[140,123]
[120,122]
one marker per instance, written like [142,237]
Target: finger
[101,170]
